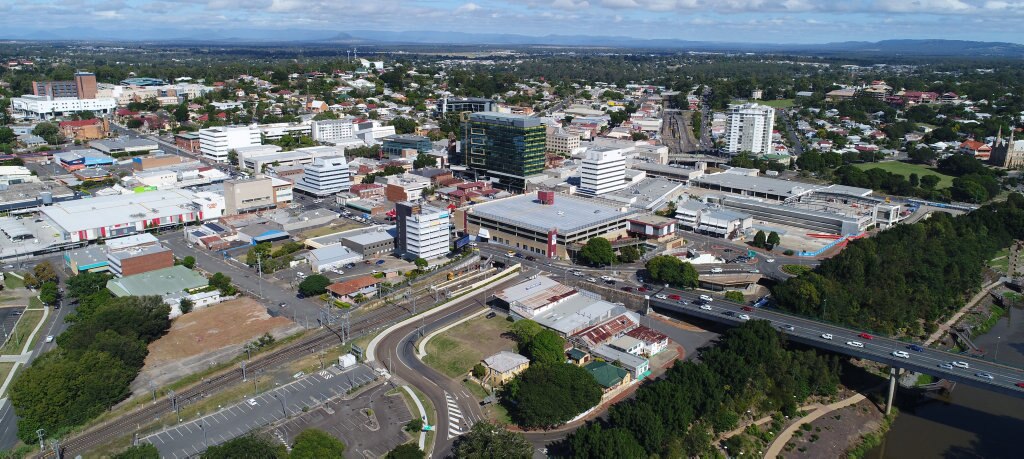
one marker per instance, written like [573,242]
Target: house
[578,357]
[653,341]
[638,366]
[608,376]
[504,366]
[347,291]
[977,149]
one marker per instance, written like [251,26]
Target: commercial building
[46,108]
[216,142]
[243,196]
[464,104]
[814,220]
[188,141]
[332,131]
[370,243]
[545,224]
[372,131]
[636,365]
[755,186]
[505,148]
[80,159]
[92,258]
[404,187]
[169,283]
[602,171]
[160,161]
[651,227]
[324,177]
[561,142]
[82,87]
[85,130]
[16,174]
[423,231]
[394,145]
[124,146]
[138,260]
[332,257]
[105,217]
[275,131]
[749,128]
[712,220]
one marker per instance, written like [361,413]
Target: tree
[232,156]
[181,112]
[915,179]
[414,425]
[223,283]
[406,451]
[479,371]
[929,181]
[635,136]
[314,285]
[259,254]
[48,293]
[524,331]
[760,239]
[189,262]
[185,305]
[420,263]
[49,132]
[485,441]
[87,283]
[44,272]
[592,440]
[672,270]
[547,395]
[404,125]
[597,252]
[133,123]
[250,446]
[424,160]
[7,136]
[546,347]
[629,254]
[141,451]
[734,296]
[316,444]
[328,115]
[773,240]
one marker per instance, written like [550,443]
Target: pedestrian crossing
[458,424]
[326,374]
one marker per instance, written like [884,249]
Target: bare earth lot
[206,337]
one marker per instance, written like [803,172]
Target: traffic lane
[187,439]
[880,348]
[8,426]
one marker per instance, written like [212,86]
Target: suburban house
[504,366]
[347,291]
[653,341]
[609,376]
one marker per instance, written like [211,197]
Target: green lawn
[779,103]
[22,330]
[455,351]
[905,169]
[13,282]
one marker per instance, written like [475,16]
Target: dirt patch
[832,434]
[207,337]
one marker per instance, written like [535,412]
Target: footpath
[945,327]
[780,442]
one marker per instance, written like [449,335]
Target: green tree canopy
[597,252]
[189,262]
[671,270]
[406,451]
[546,395]
[314,285]
[546,347]
[250,446]
[773,240]
[487,441]
[48,293]
[524,330]
[142,451]
[316,444]
[760,239]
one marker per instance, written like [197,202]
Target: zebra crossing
[326,374]
[456,420]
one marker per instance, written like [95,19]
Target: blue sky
[775,21]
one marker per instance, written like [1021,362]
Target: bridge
[1004,379]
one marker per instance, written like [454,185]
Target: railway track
[133,421]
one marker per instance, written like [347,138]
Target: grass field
[455,351]
[905,169]
[22,330]
[5,368]
[13,282]
[1001,262]
[795,270]
[780,103]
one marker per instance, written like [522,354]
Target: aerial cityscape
[565,229]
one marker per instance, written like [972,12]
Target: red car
[627,289]
[866,336]
[675,297]
[641,289]
[748,308]
[1020,385]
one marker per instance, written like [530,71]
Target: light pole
[203,426]
[281,398]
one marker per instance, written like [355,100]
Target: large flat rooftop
[568,214]
[89,213]
[757,185]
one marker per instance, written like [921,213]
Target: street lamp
[281,398]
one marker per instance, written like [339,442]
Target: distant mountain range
[909,47]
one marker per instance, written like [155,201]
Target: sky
[764,21]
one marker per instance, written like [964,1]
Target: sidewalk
[780,442]
[944,328]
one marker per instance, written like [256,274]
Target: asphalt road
[193,437]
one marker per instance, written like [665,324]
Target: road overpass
[878,348]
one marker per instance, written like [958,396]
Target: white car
[984,375]
[706,298]
[901,354]
[826,336]
[705,307]
[472,244]
[49,338]
[960,364]
[252,402]
[855,344]
[716,270]
[661,296]
[591,279]
[770,260]
[606,278]
[743,317]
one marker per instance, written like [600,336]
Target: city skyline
[766,21]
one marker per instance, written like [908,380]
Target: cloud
[467,8]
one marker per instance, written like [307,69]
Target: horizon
[729,21]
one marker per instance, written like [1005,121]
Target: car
[1020,385]
[826,336]
[641,289]
[727,250]
[591,279]
[661,296]
[350,265]
[754,271]
[960,364]
[380,262]
[716,270]
[787,327]
[252,402]
[984,375]
[770,260]
[675,297]
[627,289]
[518,255]
[49,338]
[915,348]
[706,298]
[901,354]
[705,307]
[472,244]
[855,344]
[491,315]
[947,366]
[728,313]
[282,305]
[510,254]
[606,278]
[298,375]
[743,317]
[374,272]
[577,273]
[610,281]
[866,336]
[747,308]
[531,258]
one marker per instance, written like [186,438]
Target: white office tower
[602,171]
[423,231]
[749,128]
[332,131]
[324,177]
[216,142]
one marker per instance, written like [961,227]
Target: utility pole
[281,397]
[203,426]
[41,433]
[244,379]
[259,268]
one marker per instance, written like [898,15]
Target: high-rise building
[324,177]
[82,87]
[216,142]
[504,147]
[464,104]
[331,131]
[602,171]
[562,142]
[749,128]
[423,231]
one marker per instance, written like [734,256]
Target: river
[975,423]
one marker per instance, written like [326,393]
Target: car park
[252,402]
[705,307]
[855,344]
[960,364]
[901,354]
[984,375]
[826,336]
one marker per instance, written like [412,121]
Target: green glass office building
[505,148]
